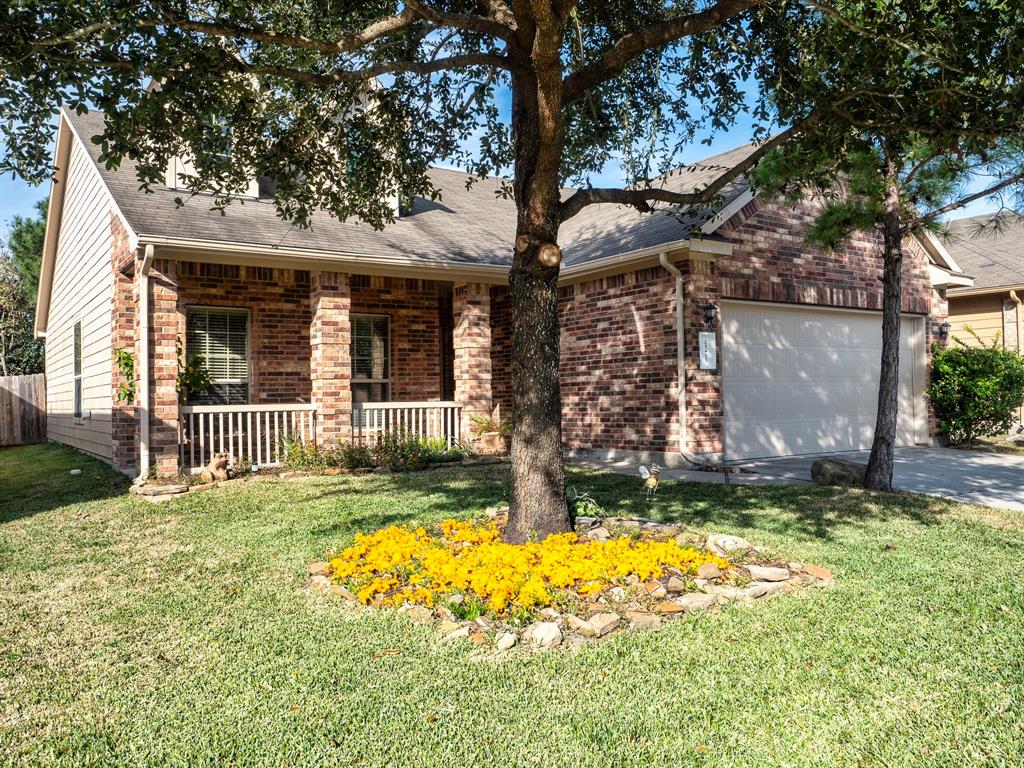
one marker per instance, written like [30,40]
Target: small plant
[242,467]
[354,456]
[401,451]
[126,365]
[482,425]
[439,452]
[583,505]
[193,377]
[303,457]
[976,391]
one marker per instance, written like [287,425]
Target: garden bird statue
[650,477]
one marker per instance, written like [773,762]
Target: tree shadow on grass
[37,478]
[800,509]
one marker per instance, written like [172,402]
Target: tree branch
[963,201]
[628,47]
[642,198]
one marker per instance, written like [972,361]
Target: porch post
[165,328]
[330,366]
[471,337]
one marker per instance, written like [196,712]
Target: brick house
[723,337]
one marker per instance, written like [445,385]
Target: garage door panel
[804,380]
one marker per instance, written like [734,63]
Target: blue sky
[19,198]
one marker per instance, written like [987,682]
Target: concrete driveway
[989,479]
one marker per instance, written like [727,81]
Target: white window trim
[248,342]
[78,378]
[387,353]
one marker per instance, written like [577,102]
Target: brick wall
[123,330]
[330,365]
[471,312]
[166,325]
[618,368]
[279,318]
[501,350]
[414,312]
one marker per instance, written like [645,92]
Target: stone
[599,534]
[544,634]
[696,601]
[586,522]
[723,545]
[618,594]
[767,573]
[421,614]
[838,472]
[632,580]
[603,623]
[292,475]
[75,472]
[447,627]
[818,572]
[458,633]
[444,613]
[478,638]
[483,623]
[675,585]
[319,581]
[341,591]
[166,489]
[655,589]
[550,614]
[669,607]
[577,624]
[709,571]
[727,593]
[643,620]
[456,599]
[686,539]
[758,589]
[321,567]
[505,641]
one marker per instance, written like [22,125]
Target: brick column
[704,407]
[123,330]
[471,337]
[330,365]
[166,325]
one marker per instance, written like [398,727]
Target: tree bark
[880,464]
[537,504]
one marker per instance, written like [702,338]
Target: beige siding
[83,287]
[984,314]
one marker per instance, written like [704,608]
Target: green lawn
[1012,445]
[140,635]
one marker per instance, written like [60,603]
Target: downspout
[693,458]
[1020,338]
[144,267]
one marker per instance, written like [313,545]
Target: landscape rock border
[626,606]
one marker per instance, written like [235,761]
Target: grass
[144,635]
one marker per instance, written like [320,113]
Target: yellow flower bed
[397,565]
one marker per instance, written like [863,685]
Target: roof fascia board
[612,264]
[958,292]
[944,278]
[54,213]
[184,249]
[937,251]
[715,222]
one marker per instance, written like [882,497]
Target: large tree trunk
[880,465]
[537,506]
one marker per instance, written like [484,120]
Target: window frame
[353,316]
[77,366]
[226,310]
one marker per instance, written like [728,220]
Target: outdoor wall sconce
[710,313]
[943,331]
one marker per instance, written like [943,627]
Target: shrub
[481,425]
[354,456]
[438,451]
[304,457]
[583,505]
[975,390]
[399,451]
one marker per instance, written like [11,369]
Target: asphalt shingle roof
[474,226]
[993,259]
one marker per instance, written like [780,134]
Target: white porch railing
[254,432]
[426,419]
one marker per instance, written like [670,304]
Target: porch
[316,357]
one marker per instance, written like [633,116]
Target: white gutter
[144,266]
[693,458]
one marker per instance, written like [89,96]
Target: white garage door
[799,380]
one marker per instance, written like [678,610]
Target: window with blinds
[371,358]
[221,338]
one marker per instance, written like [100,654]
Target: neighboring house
[991,307]
[337,331]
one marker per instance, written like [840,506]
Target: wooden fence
[22,409]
